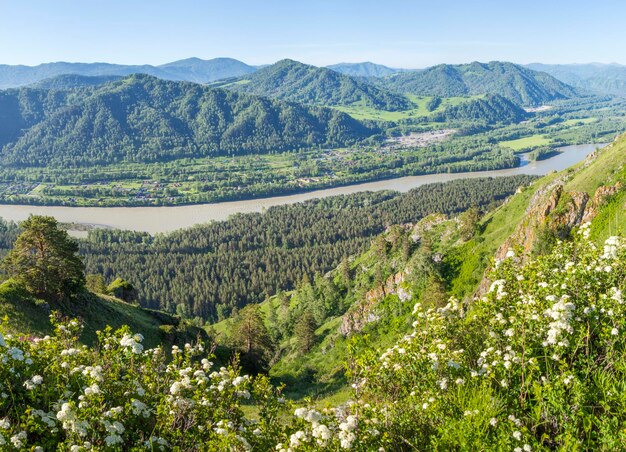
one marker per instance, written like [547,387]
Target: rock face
[601,195]
[365,311]
[556,209]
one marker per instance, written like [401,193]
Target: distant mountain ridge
[593,77]
[365,69]
[522,85]
[299,82]
[192,70]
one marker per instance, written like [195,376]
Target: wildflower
[517,435]
[614,331]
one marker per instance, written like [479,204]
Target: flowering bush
[57,394]
[536,363]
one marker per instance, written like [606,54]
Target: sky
[397,33]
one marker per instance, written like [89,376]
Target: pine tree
[305,331]
[253,339]
[45,260]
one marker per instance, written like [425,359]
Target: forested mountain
[142,118]
[521,85]
[192,69]
[71,81]
[298,82]
[492,109]
[593,77]
[366,69]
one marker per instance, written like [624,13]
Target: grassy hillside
[372,295]
[520,85]
[26,314]
[298,82]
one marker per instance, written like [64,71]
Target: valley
[306,251]
[167,219]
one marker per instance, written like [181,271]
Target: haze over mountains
[191,69]
[595,78]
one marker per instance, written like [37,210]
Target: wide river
[166,219]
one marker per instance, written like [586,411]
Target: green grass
[25,314]
[577,121]
[369,113]
[526,143]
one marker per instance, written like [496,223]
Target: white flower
[614,331]
[132,342]
[517,435]
[493,421]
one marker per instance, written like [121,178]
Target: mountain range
[191,69]
[521,85]
[593,77]
[142,118]
[298,82]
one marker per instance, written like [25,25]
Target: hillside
[594,77]
[518,84]
[71,81]
[365,69]
[365,303]
[192,70]
[493,109]
[298,82]
[31,316]
[144,119]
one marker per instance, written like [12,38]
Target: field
[420,110]
[530,142]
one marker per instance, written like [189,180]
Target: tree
[252,339]
[44,260]
[124,290]
[305,331]
[469,223]
[95,283]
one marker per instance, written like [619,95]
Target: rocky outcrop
[599,198]
[364,312]
[552,207]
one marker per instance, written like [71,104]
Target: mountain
[593,77]
[492,109]
[192,69]
[71,81]
[521,85]
[366,69]
[142,118]
[205,71]
[298,82]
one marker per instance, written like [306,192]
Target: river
[166,219]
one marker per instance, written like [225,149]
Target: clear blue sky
[399,33]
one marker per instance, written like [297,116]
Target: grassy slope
[361,112]
[466,262]
[26,314]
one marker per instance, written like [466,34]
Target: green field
[368,113]
[530,142]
